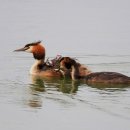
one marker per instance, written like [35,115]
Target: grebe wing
[108,77]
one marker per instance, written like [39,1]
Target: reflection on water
[61,85]
[69,93]
[37,84]
[35,101]
[71,104]
[69,86]
[51,87]
[109,87]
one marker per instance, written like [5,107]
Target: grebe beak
[22,49]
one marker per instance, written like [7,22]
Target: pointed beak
[21,49]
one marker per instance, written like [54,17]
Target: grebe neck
[37,66]
[75,72]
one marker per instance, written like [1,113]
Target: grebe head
[67,62]
[36,48]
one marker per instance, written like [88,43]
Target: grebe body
[95,77]
[65,65]
[107,77]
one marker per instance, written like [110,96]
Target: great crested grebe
[94,77]
[39,68]
[66,67]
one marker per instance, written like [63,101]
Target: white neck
[35,69]
[75,72]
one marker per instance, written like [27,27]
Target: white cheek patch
[30,49]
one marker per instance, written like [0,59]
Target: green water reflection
[68,86]
[110,86]
[62,85]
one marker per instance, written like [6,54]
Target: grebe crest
[36,48]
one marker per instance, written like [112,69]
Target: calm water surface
[96,33]
[27,102]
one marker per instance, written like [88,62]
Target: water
[100,40]
[30,103]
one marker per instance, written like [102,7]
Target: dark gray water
[96,33]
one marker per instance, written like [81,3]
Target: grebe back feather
[95,77]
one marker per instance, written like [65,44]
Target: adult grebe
[94,77]
[65,65]
[39,68]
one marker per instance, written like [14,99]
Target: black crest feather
[33,43]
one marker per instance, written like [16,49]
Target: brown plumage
[94,77]
[65,65]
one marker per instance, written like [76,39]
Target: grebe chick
[39,68]
[95,77]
